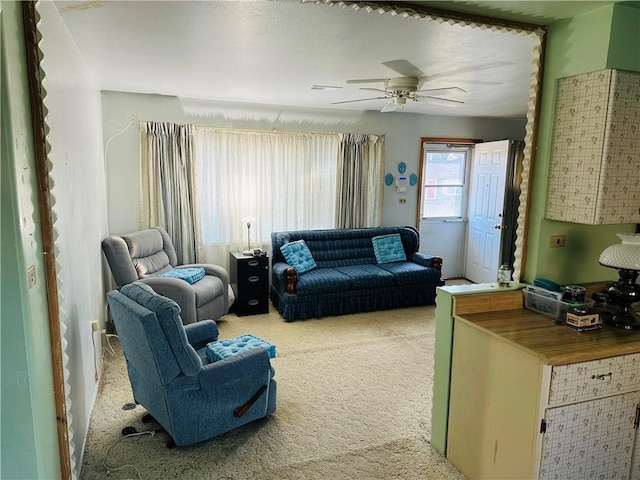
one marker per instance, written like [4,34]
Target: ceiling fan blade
[377,90]
[390,106]
[440,99]
[443,89]
[472,68]
[404,67]
[359,100]
[368,80]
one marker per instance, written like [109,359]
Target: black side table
[250,283]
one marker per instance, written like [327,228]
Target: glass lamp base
[624,318]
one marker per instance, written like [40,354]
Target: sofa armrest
[427,260]
[201,333]
[287,276]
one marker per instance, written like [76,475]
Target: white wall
[74,119]
[402,139]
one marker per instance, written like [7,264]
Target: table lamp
[248,221]
[625,258]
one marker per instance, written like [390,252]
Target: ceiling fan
[398,90]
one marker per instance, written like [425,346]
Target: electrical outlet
[556,241]
[31,276]
[403,200]
[95,325]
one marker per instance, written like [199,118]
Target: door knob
[498,227]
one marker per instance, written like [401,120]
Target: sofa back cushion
[343,247]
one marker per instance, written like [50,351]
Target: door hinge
[543,426]
[636,422]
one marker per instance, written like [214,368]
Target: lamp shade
[623,255]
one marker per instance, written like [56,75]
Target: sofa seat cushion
[409,273]
[367,276]
[207,289]
[322,280]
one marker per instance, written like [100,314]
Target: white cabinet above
[594,173]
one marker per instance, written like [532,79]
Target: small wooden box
[583,319]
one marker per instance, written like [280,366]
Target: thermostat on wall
[402,181]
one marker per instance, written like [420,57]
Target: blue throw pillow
[388,248]
[190,275]
[298,255]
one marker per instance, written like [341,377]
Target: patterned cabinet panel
[587,380]
[594,173]
[592,439]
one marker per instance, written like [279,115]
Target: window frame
[458,145]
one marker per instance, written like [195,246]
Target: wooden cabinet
[594,172]
[513,415]
[249,278]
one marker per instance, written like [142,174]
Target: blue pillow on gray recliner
[298,255]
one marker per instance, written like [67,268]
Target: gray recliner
[147,254]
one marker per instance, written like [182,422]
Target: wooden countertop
[554,344]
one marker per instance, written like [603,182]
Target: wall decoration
[402,167]
[388,180]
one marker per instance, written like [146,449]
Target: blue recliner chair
[171,376]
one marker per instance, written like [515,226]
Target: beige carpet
[354,402]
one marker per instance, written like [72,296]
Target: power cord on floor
[114,469]
[108,336]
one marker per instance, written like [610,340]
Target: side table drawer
[599,378]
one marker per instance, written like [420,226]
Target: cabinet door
[635,461]
[593,439]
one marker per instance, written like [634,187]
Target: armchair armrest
[427,260]
[201,333]
[252,363]
[210,269]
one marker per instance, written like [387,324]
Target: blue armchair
[171,376]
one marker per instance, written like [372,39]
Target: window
[444,176]
[285,181]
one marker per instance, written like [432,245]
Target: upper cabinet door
[594,173]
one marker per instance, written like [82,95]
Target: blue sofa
[347,277]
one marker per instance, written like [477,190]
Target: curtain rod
[258,130]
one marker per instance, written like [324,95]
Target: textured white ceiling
[271,52]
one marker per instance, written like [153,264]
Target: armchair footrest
[223,348]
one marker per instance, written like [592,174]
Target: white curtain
[168,187]
[282,181]
[360,187]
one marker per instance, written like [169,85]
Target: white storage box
[556,309]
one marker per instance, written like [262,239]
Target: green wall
[29,448]
[604,38]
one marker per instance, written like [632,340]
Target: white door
[486,200]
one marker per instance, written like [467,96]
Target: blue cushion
[298,255]
[223,348]
[388,248]
[189,275]
[322,280]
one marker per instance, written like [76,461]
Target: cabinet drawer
[599,378]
